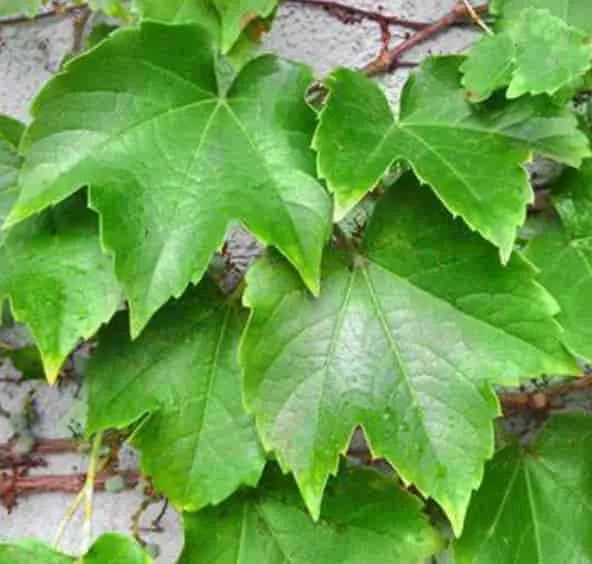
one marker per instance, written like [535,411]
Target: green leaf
[111,548]
[576,13]
[224,19]
[471,157]
[25,7]
[405,343]
[564,255]
[489,66]
[536,53]
[198,444]
[10,163]
[58,281]
[535,504]
[367,519]
[116,549]
[550,55]
[171,163]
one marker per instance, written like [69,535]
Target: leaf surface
[58,281]
[224,19]
[25,7]
[110,547]
[535,503]
[564,255]
[367,519]
[198,444]
[171,163]
[405,343]
[10,163]
[472,158]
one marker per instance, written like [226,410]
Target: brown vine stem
[388,59]
[544,399]
[11,486]
[351,14]
[60,10]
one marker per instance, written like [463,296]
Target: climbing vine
[415,278]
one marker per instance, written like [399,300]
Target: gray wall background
[29,54]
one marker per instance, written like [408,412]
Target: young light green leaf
[10,163]
[564,256]
[489,66]
[58,281]
[550,55]
[367,519]
[406,343]
[472,158]
[576,13]
[224,19]
[171,163]
[535,53]
[198,444]
[111,548]
[535,503]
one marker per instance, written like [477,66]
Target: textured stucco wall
[29,53]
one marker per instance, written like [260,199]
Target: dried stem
[350,14]
[60,11]
[388,60]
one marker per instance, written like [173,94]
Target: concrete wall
[29,54]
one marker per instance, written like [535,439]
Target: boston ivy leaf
[489,66]
[224,19]
[111,548]
[471,157]
[171,163]
[564,255]
[537,52]
[198,444]
[367,519]
[576,13]
[58,281]
[405,343]
[10,164]
[535,503]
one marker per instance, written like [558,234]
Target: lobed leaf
[471,157]
[406,343]
[11,132]
[367,519]
[535,502]
[58,281]
[198,443]
[224,19]
[564,256]
[171,162]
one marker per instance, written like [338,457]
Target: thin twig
[476,17]
[351,14]
[61,11]
[543,399]
[388,60]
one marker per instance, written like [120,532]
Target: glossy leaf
[171,163]
[198,444]
[472,158]
[58,281]
[535,503]
[564,255]
[405,342]
[224,19]
[111,548]
[367,519]
[10,163]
